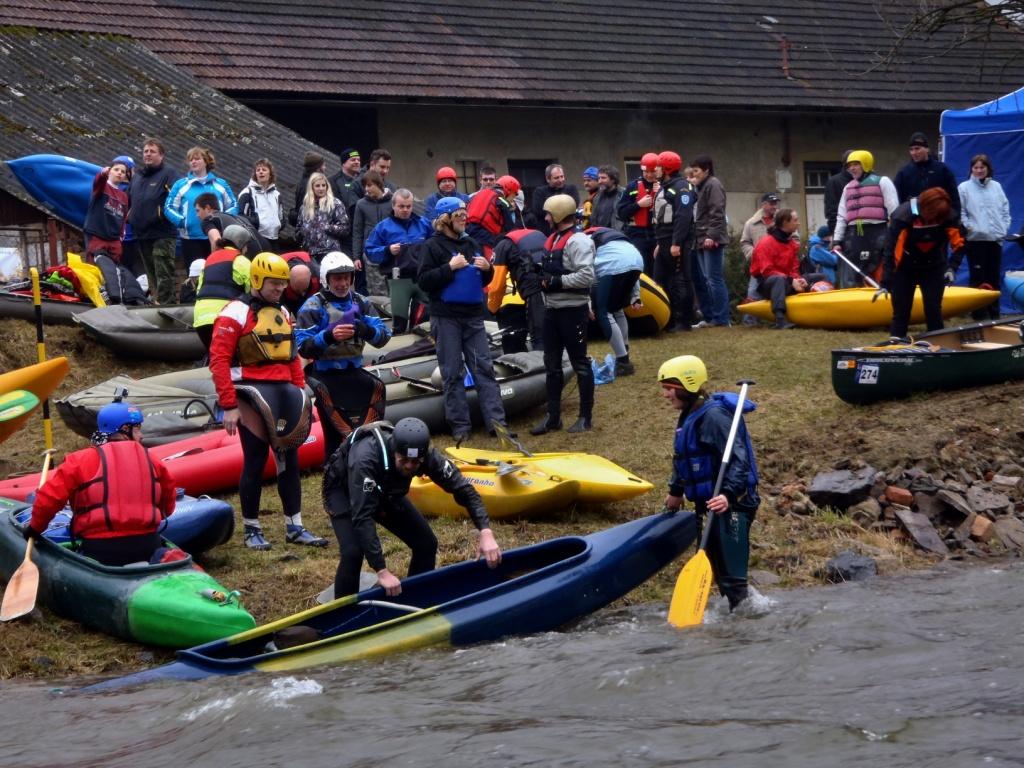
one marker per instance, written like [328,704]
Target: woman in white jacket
[260,202]
[985,213]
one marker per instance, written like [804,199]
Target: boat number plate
[867,374]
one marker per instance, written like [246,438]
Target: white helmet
[335,263]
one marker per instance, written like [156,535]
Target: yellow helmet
[862,156]
[560,207]
[683,372]
[266,265]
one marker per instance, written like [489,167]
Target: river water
[918,670]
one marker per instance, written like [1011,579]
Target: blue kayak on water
[536,588]
[62,184]
[198,523]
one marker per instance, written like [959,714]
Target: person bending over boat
[919,234]
[261,388]
[333,327]
[701,436]
[119,496]
[366,483]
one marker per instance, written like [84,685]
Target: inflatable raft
[145,333]
[173,604]
[853,309]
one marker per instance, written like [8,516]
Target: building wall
[747,148]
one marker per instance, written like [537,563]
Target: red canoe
[202,464]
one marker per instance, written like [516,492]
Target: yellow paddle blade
[691,593]
[20,596]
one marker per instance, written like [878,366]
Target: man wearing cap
[555,176]
[447,181]
[636,209]
[755,228]
[348,189]
[924,172]
[591,186]
[454,272]
[187,294]
[154,234]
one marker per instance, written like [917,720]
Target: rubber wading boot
[297,534]
[545,426]
[623,367]
[253,538]
[583,424]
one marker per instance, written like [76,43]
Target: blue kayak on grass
[536,588]
[198,523]
[1013,286]
[62,184]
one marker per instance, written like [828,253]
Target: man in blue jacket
[154,234]
[393,247]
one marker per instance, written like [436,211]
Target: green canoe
[172,604]
[972,355]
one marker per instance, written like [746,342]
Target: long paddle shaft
[856,269]
[37,301]
[20,596]
[690,596]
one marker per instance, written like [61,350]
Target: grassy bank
[799,428]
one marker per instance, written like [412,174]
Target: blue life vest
[466,286]
[694,465]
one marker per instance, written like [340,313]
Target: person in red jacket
[119,496]
[107,213]
[775,264]
[261,389]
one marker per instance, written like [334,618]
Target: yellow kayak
[524,492]
[40,379]
[600,480]
[852,308]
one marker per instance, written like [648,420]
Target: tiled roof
[695,54]
[96,96]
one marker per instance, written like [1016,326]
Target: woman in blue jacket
[179,208]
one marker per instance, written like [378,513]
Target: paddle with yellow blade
[16,403]
[20,595]
[690,597]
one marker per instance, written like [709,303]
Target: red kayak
[202,464]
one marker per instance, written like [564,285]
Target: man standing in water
[702,433]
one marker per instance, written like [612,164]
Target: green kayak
[174,604]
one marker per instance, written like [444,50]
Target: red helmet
[446,173]
[509,185]
[670,162]
[649,161]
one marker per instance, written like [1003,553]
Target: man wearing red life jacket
[636,208]
[491,213]
[119,496]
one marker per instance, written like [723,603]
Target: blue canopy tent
[996,129]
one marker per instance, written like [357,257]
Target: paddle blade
[16,403]
[20,596]
[690,597]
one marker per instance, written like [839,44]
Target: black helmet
[411,438]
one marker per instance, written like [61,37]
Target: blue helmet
[591,173]
[113,416]
[448,205]
[126,161]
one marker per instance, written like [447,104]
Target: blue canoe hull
[535,589]
[198,524]
[62,184]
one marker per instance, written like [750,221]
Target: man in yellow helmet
[862,220]
[702,433]
[260,387]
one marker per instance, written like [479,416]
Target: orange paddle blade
[20,596]
[690,597]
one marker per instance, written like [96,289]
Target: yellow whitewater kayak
[852,308]
[600,480]
[524,492]
[40,379]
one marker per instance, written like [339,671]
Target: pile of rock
[942,510]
